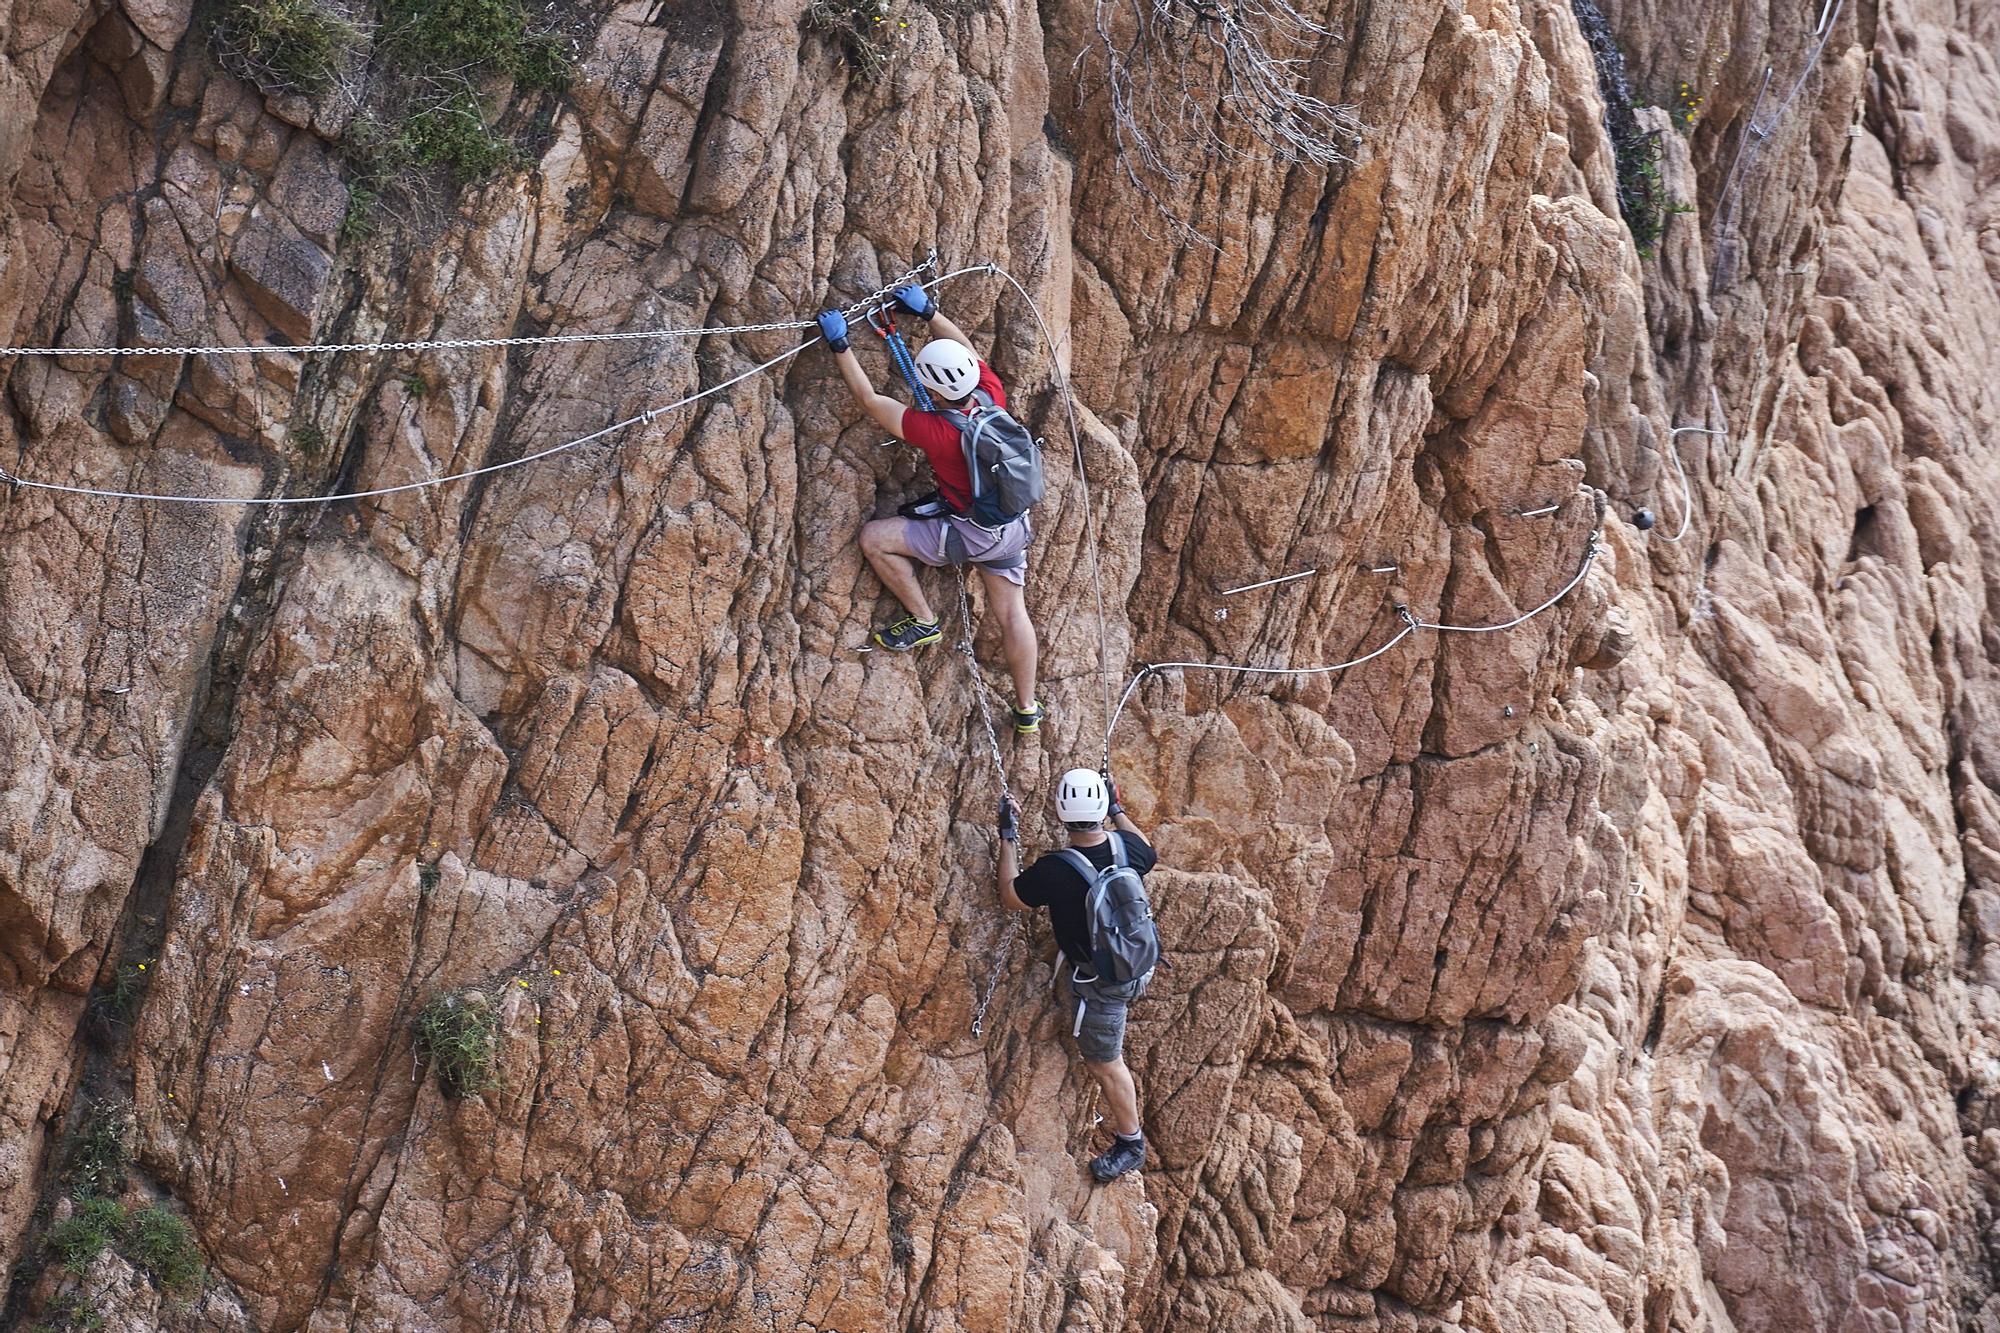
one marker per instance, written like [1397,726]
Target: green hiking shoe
[1028,721]
[907,633]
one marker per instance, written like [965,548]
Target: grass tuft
[490,35]
[163,1244]
[115,1003]
[68,1312]
[458,1032]
[100,1150]
[414,90]
[85,1233]
[869,31]
[297,46]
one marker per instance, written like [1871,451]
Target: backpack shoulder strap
[1081,864]
[962,416]
[1118,851]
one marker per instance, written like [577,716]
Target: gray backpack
[1124,944]
[1004,460]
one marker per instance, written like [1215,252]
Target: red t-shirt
[933,433]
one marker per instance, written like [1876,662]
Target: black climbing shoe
[907,633]
[1123,1155]
[1029,722]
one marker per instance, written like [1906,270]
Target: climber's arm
[1119,819]
[914,300]
[883,410]
[942,326]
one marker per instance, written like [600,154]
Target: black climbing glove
[1010,830]
[912,299]
[833,328]
[1111,785]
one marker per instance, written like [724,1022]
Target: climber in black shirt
[1054,882]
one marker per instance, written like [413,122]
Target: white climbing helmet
[1082,797]
[947,368]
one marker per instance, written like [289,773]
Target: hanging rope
[999,971]
[860,307]
[883,321]
[867,305]
[978,683]
[1410,626]
[639,419]
[1674,452]
[1750,144]
[1089,521]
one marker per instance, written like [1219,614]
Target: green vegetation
[115,1002]
[85,1233]
[427,878]
[458,1032]
[486,35]
[1642,194]
[163,1245]
[68,1312]
[410,89]
[1686,108]
[299,46]
[100,1150]
[357,224]
[156,1241]
[868,30]
[152,1239]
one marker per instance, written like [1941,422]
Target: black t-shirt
[1054,883]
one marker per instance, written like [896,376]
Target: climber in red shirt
[941,532]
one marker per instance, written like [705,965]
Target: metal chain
[14,482]
[859,308]
[1000,763]
[999,971]
[978,681]
[1410,626]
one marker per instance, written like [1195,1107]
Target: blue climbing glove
[833,328]
[1010,829]
[912,299]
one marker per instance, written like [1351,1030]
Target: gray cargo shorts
[1097,1016]
[950,540]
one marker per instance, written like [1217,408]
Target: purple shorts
[960,541]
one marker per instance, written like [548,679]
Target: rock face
[1633,968]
